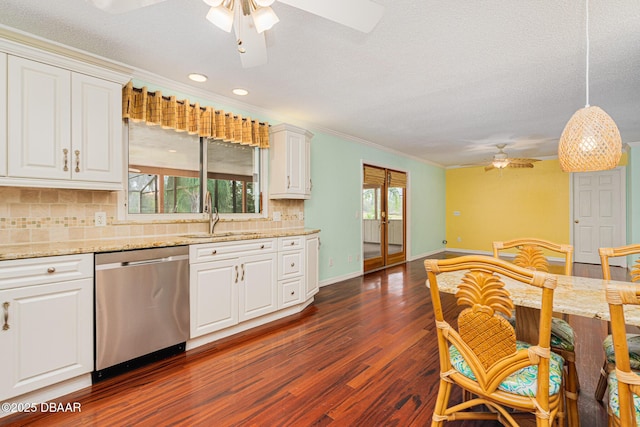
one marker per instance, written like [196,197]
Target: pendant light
[590,140]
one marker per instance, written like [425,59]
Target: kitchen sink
[214,235]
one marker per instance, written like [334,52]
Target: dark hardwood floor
[364,354]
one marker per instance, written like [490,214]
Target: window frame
[123,195]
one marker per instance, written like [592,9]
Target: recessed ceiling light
[240,92]
[198,77]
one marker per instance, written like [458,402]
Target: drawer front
[291,292]
[290,243]
[213,251]
[40,271]
[290,264]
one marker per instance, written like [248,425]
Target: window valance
[155,109]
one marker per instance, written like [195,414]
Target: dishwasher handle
[153,261]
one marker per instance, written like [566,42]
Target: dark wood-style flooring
[364,354]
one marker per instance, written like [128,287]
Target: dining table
[578,296]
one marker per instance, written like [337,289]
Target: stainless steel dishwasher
[141,307]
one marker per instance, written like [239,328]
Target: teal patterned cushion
[633,342]
[522,382]
[614,402]
[562,335]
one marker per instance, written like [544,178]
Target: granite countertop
[33,250]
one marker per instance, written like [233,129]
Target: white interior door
[598,207]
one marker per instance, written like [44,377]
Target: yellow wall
[507,204]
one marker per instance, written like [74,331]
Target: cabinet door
[296,164]
[213,296]
[96,129]
[258,286]
[39,109]
[47,335]
[3,114]
[311,263]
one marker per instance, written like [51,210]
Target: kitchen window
[167,168]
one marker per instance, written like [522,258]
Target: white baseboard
[333,280]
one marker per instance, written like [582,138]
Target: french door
[383,217]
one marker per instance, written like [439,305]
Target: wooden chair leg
[602,382]
[571,395]
[442,401]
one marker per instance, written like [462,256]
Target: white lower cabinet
[47,322]
[231,282]
[242,284]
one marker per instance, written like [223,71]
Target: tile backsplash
[34,215]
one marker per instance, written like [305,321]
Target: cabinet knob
[51,270]
[213,252]
[261,246]
[293,264]
[293,292]
[293,243]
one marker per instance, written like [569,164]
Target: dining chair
[633,340]
[480,354]
[531,254]
[624,383]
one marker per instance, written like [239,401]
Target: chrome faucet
[213,220]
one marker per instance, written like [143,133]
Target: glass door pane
[395,236]
[372,222]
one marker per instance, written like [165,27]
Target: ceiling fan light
[590,142]
[500,163]
[264,3]
[221,17]
[264,18]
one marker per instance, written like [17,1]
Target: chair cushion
[633,342]
[522,382]
[614,402]
[562,335]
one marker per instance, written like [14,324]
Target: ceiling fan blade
[519,165]
[249,40]
[362,15]
[122,6]
[523,160]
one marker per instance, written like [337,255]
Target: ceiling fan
[251,18]
[501,160]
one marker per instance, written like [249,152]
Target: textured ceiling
[443,81]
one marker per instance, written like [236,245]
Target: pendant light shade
[589,142]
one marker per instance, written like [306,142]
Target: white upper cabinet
[289,162]
[3,114]
[64,128]
[39,113]
[96,129]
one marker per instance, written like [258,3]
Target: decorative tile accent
[33,215]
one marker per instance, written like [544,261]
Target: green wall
[633,195]
[335,204]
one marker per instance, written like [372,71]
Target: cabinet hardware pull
[293,292]
[65,160]
[288,181]
[293,264]
[213,252]
[242,278]
[236,274]
[51,270]
[261,246]
[293,243]
[77,160]
[5,327]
